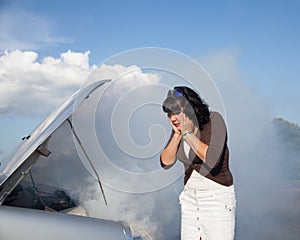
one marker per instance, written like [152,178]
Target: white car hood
[45,129]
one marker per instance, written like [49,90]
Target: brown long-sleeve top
[216,165]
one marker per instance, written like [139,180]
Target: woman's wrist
[186,133]
[177,135]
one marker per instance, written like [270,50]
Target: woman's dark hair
[186,99]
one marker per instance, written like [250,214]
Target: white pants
[209,214]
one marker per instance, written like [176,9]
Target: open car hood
[45,129]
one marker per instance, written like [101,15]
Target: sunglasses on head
[177,93]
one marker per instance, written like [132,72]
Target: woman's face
[175,118]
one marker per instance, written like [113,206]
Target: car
[38,181]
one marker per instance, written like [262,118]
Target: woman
[199,140]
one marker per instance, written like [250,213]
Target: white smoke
[254,148]
[255,154]
[125,192]
[147,214]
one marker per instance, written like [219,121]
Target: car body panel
[20,223]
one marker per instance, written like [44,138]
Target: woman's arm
[217,140]
[168,155]
[199,147]
[210,154]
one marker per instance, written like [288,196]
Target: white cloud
[23,30]
[33,87]
[76,59]
[29,86]
[126,77]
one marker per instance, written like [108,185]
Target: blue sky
[263,37]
